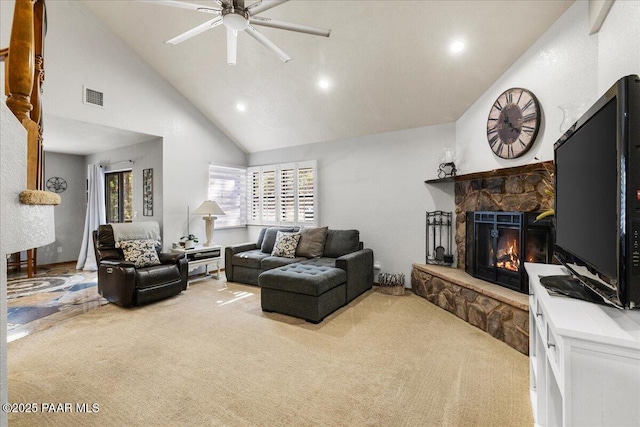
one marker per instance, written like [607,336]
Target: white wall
[12,174]
[144,155]
[619,44]
[80,50]
[560,68]
[375,184]
[69,219]
[21,226]
[566,65]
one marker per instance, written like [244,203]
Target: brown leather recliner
[121,283]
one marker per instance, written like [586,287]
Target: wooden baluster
[39,30]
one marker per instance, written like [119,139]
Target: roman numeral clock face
[513,123]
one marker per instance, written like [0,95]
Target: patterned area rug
[25,287]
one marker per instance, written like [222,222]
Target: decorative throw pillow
[269,238]
[286,244]
[140,252]
[312,241]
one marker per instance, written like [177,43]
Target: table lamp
[208,208]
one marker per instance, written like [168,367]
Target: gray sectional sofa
[330,268]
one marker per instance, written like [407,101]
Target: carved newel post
[21,61]
[23,82]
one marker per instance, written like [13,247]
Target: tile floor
[57,293]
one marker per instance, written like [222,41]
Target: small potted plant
[188,241]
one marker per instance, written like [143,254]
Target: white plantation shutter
[287,194]
[269,196]
[284,194]
[306,195]
[253,191]
[227,187]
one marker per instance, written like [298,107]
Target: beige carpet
[210,357]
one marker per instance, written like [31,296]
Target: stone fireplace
[517,189]
[500,311]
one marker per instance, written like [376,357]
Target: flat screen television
[597,200]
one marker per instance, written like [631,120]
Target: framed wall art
[147,192]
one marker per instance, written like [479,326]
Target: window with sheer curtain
[227,186]
[284,194]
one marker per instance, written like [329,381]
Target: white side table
[202,256]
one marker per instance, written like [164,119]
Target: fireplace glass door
[498,243]
[497,248]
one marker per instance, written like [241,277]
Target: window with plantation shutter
[287,196]
[253,192]
[284,194]
[268,199]
[306,195]
[227,187]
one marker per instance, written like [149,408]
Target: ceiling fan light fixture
[235,19]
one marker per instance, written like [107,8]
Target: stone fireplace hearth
[501,312]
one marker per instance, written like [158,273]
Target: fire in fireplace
[498,243]
[507,252]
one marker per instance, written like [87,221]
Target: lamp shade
[209,207]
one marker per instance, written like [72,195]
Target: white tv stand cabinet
[584,359]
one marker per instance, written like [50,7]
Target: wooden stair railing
[24,64]
[24,74]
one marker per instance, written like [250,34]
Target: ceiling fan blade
[232,46]
[238,3]
[184,5]
[196,30]
[268,22]
[262,5]
[251,30]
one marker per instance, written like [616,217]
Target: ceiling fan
[236,17]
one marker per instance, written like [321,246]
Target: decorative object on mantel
[439,238]
[209,208]
[447,167]
[447,170]
[571,112]
[56,184]
[147,192]
[513,123]
[391,284]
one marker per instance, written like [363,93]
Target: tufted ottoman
[305,290]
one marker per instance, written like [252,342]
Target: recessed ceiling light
[241,107]
[457,46]
[323,83]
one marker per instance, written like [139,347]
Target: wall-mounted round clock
[56,184]
[513,123]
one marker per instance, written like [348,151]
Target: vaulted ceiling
[387,63]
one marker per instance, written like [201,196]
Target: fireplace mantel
[495,173]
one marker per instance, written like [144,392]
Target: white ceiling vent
[93,97]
